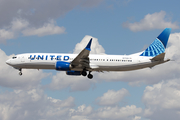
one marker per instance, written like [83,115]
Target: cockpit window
[14,57]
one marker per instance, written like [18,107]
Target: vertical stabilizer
[159,45]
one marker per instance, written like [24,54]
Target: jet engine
[62,66]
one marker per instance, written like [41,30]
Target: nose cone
[8,62]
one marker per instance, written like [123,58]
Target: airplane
[80,64]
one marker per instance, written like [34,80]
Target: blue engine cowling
[62,66]
[73,72]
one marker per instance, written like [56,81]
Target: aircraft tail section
[159,45]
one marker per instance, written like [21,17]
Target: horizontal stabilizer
[159,57]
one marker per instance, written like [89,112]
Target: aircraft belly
[36,65]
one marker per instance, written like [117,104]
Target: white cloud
[137,118]
[78,118]
[106,113]
[33,105]
[21,26]
[112,97]
[82,112]
[96,48]
[165,95]
[76,83]
[47,29]
[4,35]
[162,100]
[11,31]
[152,21]
[174,47]
[113,113]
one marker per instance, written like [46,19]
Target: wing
[82,59]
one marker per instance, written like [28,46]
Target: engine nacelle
[73,72]
[62,66]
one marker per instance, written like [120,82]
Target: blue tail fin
[159,45]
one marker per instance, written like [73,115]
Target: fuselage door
[22,59]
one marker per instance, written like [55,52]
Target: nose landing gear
[20,71]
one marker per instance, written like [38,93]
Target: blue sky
[118,27]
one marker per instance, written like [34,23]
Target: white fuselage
[97,62]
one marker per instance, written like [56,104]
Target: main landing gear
[90,76]
[84,73]
[20,71]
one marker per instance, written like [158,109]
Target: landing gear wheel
[20,73]
[84,73]
[90,76]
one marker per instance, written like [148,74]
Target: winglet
[164,36]
[88,47]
